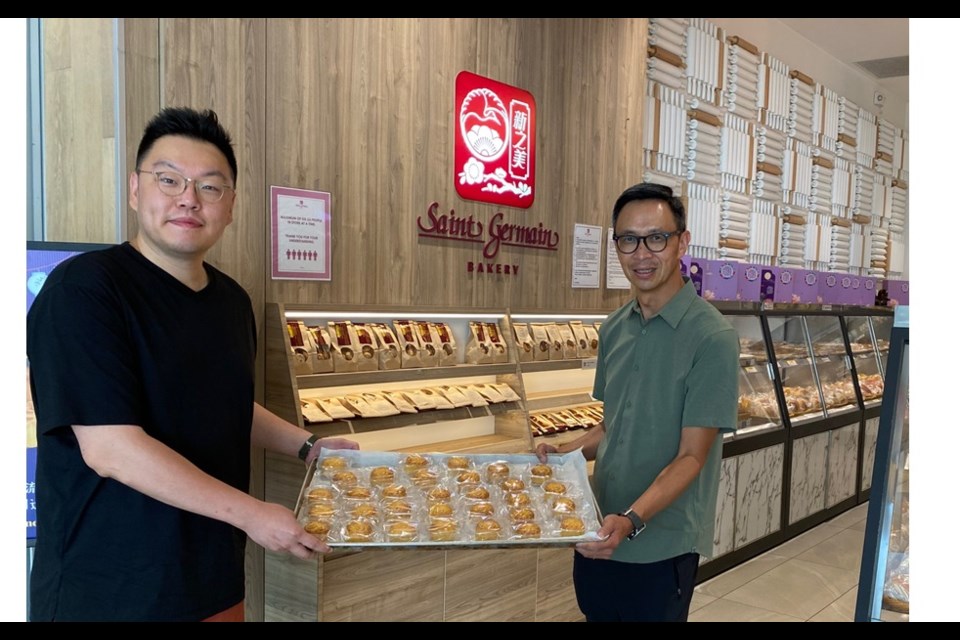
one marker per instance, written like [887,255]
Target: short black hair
[651,191]
[184,121]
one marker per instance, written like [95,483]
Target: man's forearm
[589,442]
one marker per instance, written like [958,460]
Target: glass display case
[866,354]
[798,375]
[883,592]
[757,410]
[882,326]
[832,364]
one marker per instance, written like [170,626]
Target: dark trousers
[611,591]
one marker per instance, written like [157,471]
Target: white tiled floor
[811,578]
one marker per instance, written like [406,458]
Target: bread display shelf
[431,374]
[552,401]
[430,416]
[371,498]
[558,365]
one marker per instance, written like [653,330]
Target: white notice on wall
[586,256]
[300,234]
[615,277]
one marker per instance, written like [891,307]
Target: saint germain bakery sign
[489,237]
[494,162]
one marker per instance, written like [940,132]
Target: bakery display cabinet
[822,412]
[868,331]
[883,592]
[558,389]
[748,517]
[435,382]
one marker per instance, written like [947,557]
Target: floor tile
[700,600]
[723,610]
[843,550]
[840,610]
[738,576]
[807,539]
[850,516]
[796,588]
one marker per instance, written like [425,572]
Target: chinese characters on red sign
[494,149]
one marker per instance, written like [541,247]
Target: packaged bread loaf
[524,342]
[400,401]
[409,344]
[593,339]
[429,343]
[498,345]
[298,346]
[344,347]
[567,340]
[324,357]
[448,345]
[388,356]
[555,339]
[479,350]
[541,341]
[368,347]
[580,338]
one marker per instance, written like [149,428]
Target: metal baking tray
[569,469]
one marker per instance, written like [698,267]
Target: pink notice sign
[299,234]
[494,151]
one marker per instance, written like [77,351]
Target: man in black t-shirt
[142,374]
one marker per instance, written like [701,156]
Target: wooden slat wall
[363,108]
[141,61]
[79,152]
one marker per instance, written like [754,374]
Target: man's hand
[613,530]
[273,527]
[543,449]
[329,443]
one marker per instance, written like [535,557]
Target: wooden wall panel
[363,108]
[80,142]
[218,63]
[141,60]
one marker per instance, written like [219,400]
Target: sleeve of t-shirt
[82,364]
[713,384]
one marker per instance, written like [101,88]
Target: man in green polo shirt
[667,373]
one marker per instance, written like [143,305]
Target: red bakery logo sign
[494,151]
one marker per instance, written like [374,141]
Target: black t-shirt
[114,339]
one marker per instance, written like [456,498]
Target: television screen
[42,257]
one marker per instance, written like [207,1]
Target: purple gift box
[806,286]
[869,287]
[830,287]
[898,291]
[720,280]
[776,284]
[696,268]
[748,284]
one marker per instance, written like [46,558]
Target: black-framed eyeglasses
[655,242]
[171,183]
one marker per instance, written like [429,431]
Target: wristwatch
[307,446]
[638,523]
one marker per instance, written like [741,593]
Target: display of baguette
[385,403]
[559,420]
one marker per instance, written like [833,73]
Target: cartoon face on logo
[751,274]
[810,278]
[494,151]
[727,272]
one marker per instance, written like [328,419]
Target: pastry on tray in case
[321,493]
[497,471]
[343,479]
[554,487]
[364,510]
[563,504]
[527,530]
[440,509]
[321,509]
[540,473]
[512,484]
[358,493]
[438,494]
[332,464]
[477,493]
[458,462]
[481,509]
[413,462]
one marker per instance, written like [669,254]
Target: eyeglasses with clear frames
[173,184]
[655,242]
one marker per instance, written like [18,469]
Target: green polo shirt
[655,376]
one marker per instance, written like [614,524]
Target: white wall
[788,46]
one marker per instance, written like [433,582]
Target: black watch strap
[307,446]
[638,523]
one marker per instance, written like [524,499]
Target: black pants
[611,591]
